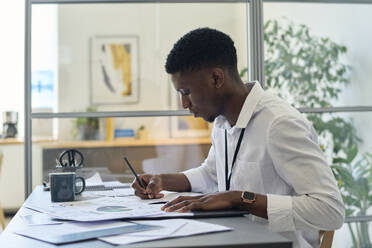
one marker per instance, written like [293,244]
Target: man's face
[198,93]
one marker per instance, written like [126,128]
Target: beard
[211,118]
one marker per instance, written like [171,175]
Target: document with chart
[104,208]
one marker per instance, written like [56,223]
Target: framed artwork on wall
[186,126]
[114,70]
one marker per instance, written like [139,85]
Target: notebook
[102,187]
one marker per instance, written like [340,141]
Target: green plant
[87,127]
[308,67]
[354,175]
[308,72]
[89,121]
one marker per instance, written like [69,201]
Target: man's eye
[185,92]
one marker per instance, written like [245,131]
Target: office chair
[326,239]
[2,217]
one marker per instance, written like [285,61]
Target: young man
[264,155]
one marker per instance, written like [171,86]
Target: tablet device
[197,214]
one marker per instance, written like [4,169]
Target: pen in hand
[135,174]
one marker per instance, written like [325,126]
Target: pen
[134,173]
[160,202]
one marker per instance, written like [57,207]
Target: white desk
[245,234]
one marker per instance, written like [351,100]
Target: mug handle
[83,187]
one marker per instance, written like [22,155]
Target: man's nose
[185,102]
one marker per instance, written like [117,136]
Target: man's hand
[153,185]
[215,201]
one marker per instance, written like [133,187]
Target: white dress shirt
[279,157]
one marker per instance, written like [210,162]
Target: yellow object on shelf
[109,129]
[142,134]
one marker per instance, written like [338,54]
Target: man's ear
[218,75]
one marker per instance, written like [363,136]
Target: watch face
[248,195]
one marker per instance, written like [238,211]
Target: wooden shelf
[125,142]
[16,141]
[10,141]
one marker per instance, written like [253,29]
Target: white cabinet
[12,177]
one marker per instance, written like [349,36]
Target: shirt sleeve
[204,178]
[298,159]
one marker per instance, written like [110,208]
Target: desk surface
[245,234]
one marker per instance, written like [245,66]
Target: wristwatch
[248,197]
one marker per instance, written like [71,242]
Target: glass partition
[111,57]
[152,144]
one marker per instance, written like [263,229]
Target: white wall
[12,60]
[11,98]
[158,27]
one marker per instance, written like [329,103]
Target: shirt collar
[247,110]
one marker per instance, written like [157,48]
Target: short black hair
[200,48]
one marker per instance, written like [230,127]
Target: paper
[123,192]
[75,231]
[94,181]
[170,195]
[171,228]
[116,184]
[100,193]
[168,227]
[39,219]
[104,208]
[31,218]
[109,189]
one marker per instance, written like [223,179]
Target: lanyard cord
[228,177]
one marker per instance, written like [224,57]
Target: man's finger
[192,206]
[145,178]
[177,206]
[141,195]
[153,186]
[157,196]
[177,200]
[180,202]
[137,187]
